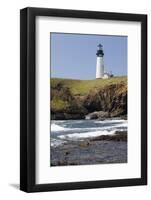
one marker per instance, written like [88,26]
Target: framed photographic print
[83,99]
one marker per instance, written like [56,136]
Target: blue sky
[74,55]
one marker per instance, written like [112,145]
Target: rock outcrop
[111,99]
[98,115]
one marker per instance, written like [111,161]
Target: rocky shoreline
[118,136]
[97,150]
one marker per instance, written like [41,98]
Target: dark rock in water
[98,115]
[118,136]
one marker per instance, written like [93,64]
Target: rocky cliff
[74,99]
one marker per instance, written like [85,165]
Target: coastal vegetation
[75,99]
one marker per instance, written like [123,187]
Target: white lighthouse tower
[100,62]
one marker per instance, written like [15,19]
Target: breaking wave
[62,131]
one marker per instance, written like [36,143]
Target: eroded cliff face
[110,98]
[64,105]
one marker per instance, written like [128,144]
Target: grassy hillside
[83,87]
[72,99]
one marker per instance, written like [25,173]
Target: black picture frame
[28,99]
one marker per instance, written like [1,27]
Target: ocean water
[76,130]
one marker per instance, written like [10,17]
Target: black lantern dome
[100,52]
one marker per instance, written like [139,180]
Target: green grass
[83,87]
[58,104]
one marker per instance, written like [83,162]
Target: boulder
[97,115]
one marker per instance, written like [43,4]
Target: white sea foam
[118,124]
[87,134]
[71,130]
[108,121]
[55,127]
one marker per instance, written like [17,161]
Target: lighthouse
[100,62]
